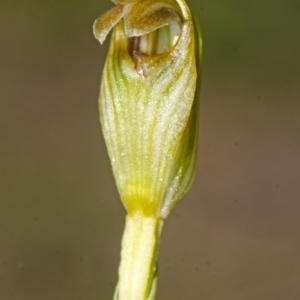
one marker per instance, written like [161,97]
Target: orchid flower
[149,109]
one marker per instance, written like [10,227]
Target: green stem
[137,271]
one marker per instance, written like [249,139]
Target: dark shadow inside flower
[156,42]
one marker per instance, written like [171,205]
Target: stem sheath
[137,271]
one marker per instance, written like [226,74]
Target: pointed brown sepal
[105,22]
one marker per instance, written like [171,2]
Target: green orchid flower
[149,115]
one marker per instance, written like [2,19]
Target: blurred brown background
[237,234]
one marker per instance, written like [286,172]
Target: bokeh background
[236,236]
